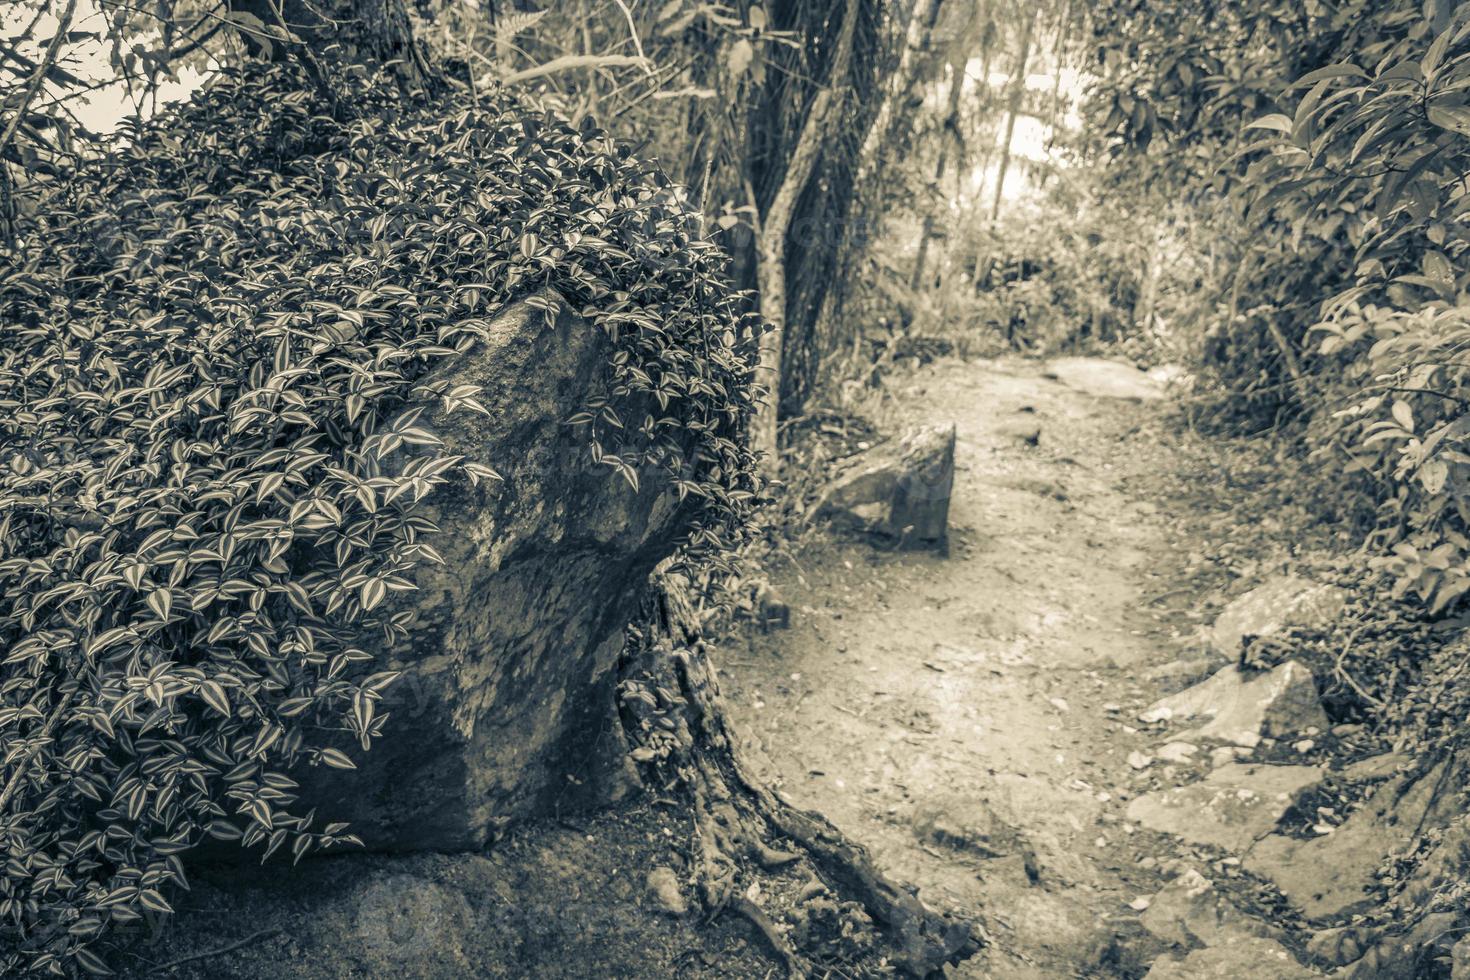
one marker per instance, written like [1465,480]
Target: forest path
[964,717]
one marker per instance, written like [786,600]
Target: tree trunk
[893,114]
[951,125]
[1143,309]
[1063,32]
[735,815]
[771,259]
[1018,88]
[368,32]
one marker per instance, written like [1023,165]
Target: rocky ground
[1045,727]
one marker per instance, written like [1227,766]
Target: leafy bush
[1323,149]
[210,340]
[1071,269]
[1376,149]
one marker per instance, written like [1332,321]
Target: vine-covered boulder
[328,428]
[505,707]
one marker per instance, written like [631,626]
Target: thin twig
[1341,671]
[633,30]
[210,953]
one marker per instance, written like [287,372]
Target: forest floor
[966,717]
[971,718]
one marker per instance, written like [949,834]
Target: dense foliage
[215,344]
[1322,149]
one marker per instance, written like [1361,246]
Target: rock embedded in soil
[1232,807]
[1177,751]
[1025,430]
[1252,958]
[1105,378]
[1223,755]
[1190,909]
[1240,707]
[1283,602]
[1374,767]
[898,490]
[1183,672]
[546,901]
[1336,874]
[664,890]
[965,824]
[1340,945]
[1411,956]
[404,917]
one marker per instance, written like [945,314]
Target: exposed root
[672,711]
[796,967]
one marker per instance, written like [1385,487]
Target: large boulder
[898,489]
[1330,876]
[1240,707]
[1256,958]
[1279,604]
[1231,808]
[506,709]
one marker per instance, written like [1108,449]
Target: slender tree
[950,135]
[1013,109]
[825,110]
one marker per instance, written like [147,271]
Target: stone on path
[1239,708]
[1177,751]
[1023,429]
[1410,956]
[1223,755]
[1105,378]
[1373,767]
[1281,603]
[1232,807]
[663,889]
[1244,959]
[1340,945]
[1190,910]
[1180,673]
[898,489]
[965,824]
[1335,874]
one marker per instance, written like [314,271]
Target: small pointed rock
[663,888]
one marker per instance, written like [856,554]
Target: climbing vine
[215,343]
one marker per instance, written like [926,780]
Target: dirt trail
[961,716]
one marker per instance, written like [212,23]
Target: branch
[48,61]
[211,953]
[23,764]
[633,30]
[569,61]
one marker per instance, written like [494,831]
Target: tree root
[672,712]
[796,966]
